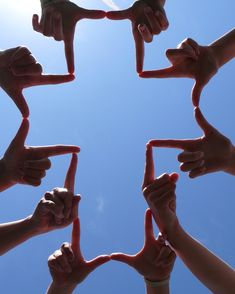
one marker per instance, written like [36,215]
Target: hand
[189,60]
[155,260]
[160,195]
[59,20]
[58,208]
[26,164]
[68,266]
[148,18]
[210,153]
[19,70]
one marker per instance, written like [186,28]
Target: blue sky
[111,114]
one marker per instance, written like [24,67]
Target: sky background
[111,113]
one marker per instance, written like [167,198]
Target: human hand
[59,20]
[148,18]
[58,208]
[155,260]
[20,70]
[160,195]
[68,266]
[210,153]
[27,164]
[189,60]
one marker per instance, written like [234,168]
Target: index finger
[75,243]
[139,50]
[171,143]
[47,151]
[71,173]
[50,79]
[69,50]
[149,167]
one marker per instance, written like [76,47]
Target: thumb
[125,258]
[98,261]
[19,140]
[202,122]
[20,102]
[35,23]
[196,92]
[119,15]
[93,14]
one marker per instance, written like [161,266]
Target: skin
[58,20]
[57,209]
[148,18]
[28,164]
[20,70]
[214,273]
[154,261]
[210,153]
[68,267]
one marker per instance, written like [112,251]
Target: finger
[26,60]
[71,173]
[200,171]
[20,52]
[202,122]
[69,50]
[93,14]
[128,259]
[170,259]
[41,164]
[31,181]
[187,156]
[172,143]
[54,265]
[47,23]
[174,177]
[67,251]
[177,56]
[193,44]
[21,103]
[196,92]
[53,205]
[40,152]
[66,197]
[35,173]
[139,49]
[169,72]
[62,261]
[149,167]
[57,27]
[119,15]
[152,20]
[27,70]
[35,23]
[76,236]
[188,166]
[98,261]
[51,79]
[159,192]
[145,33]
[157,183]
[149,234]
[162,18]
[18,142]
[74,211]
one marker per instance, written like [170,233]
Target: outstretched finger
[169,72]
[48,151]
[172,143]
[51,79]
[71,173]
[149,167]
[19,140]
[119,15]
[196,92]
[69,50]
[202,122]
[75,243]
[148,225]
[125,258]
[139,50]
[92,14]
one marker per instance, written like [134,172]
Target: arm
[161,289]
[224,48]
[159,193]
[59,289]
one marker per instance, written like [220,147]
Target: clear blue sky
[111,114]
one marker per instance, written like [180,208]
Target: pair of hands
[210,153]
[154,261]
[20,70]
[59,20]
[28,164]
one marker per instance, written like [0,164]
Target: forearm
[215,274]
[5,182]
[224,48]
[60,289]
[161,289]
[231,163]
[14,233]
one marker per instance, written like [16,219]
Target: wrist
[157,283]
[58,288]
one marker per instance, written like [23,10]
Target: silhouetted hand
[148,18]
[68,266]
[20,70]
[189,60]
[27,164]
[58,208]
[210,153]
[160,195]
[155,260]
[59,20]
